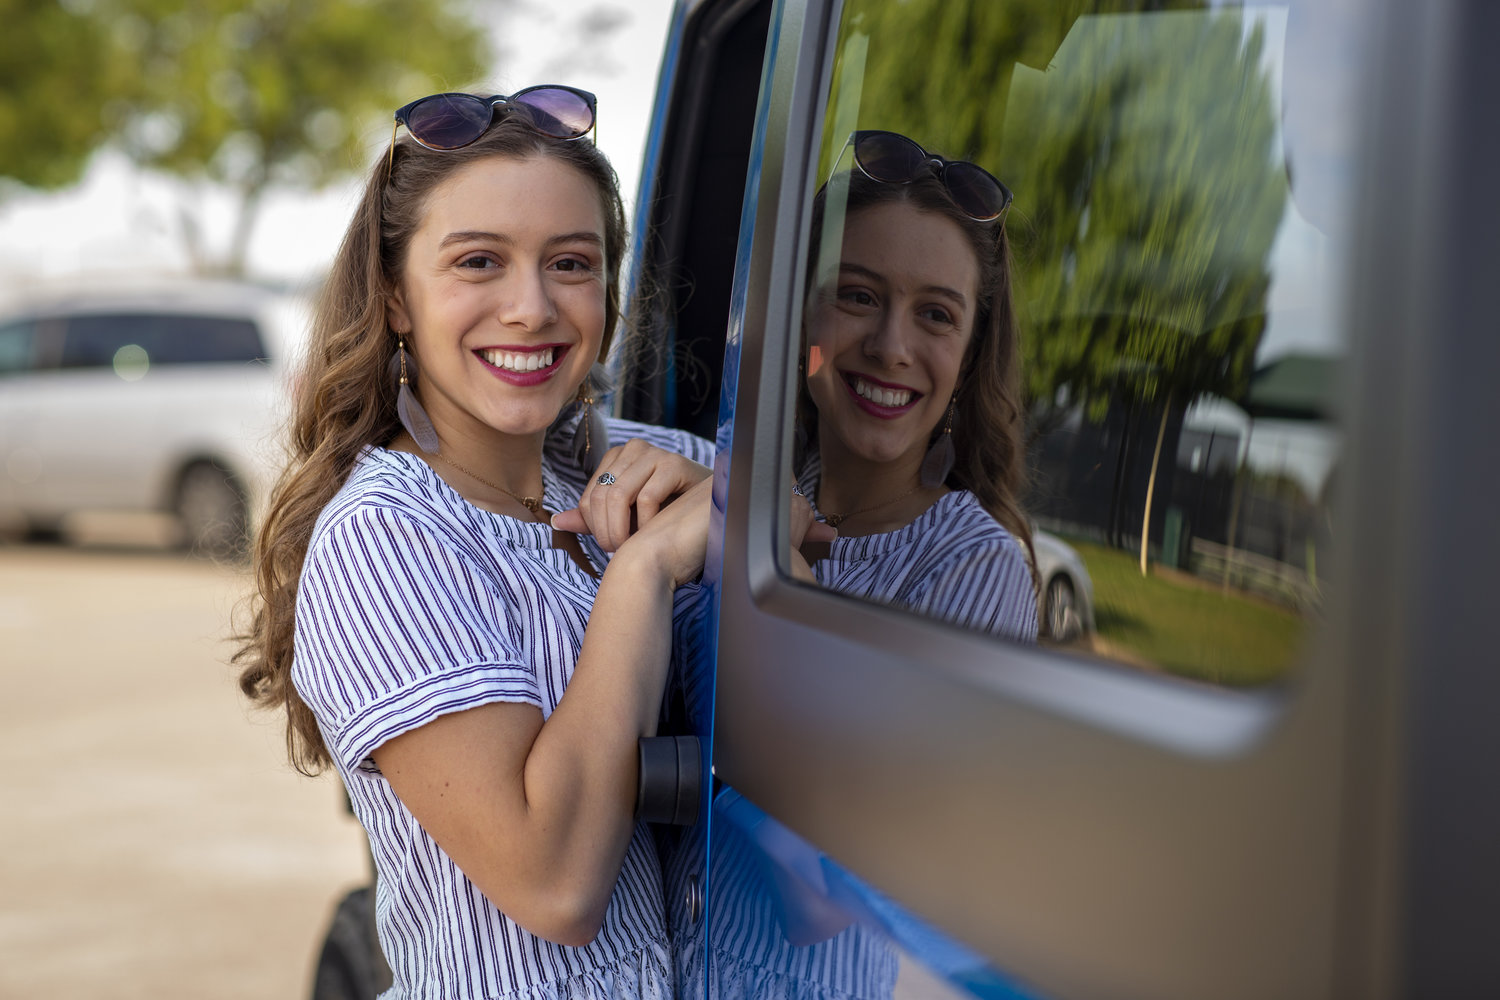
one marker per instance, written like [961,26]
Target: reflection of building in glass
[1246,498]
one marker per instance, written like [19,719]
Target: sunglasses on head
[892,158]
[453,121]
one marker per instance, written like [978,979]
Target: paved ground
[153,841]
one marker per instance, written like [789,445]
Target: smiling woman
[465,595]
[909,414]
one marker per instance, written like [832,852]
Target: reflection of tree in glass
[1149,189]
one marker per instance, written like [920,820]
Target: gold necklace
[533,504]
[834,520]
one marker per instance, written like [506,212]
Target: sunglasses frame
[939,165]
[493,102]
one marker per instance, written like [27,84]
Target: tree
[56,73]
[249,94]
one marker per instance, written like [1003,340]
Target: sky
[119,223]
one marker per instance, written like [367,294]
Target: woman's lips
[880,399]
[523,366]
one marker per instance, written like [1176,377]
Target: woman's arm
[538,814]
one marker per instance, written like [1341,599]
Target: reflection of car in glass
[152,400]
[1067,593]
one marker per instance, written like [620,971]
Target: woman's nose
[890,342]
[526,301]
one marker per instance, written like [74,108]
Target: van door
[1244,761]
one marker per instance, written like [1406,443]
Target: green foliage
[1143,152]
[242,93]
[249,92]
[56,72]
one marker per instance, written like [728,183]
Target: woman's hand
[808,532]
[676,538]
[632,485]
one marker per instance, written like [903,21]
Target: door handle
[671,780]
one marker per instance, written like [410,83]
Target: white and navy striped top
[954,562]
[414,603]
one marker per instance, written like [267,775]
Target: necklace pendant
[532,504]
[834,520]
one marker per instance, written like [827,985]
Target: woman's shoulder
[958,528]
[385,487]
[956,519]
[684,443]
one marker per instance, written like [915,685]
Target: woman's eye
[477,262]
[856,297]
[573,265]
[937,314]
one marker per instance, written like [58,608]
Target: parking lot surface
[154,841]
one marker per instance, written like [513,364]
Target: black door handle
[671,780]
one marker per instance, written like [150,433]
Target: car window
[16,346]
[1132,453]
[113,340]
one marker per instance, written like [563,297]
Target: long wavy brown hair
[989,422]
[347,398]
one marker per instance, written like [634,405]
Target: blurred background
[174,179]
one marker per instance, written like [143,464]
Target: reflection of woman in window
[909,410]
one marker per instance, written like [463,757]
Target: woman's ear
[396,316]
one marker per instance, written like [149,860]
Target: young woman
[478,674]
[910,402]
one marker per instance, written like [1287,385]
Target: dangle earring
[590,436]
[408,410]
[940,454]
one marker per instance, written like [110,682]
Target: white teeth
[519,361]
[880,396]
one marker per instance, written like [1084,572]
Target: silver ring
[797,490]
[606,479]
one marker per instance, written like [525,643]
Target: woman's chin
[879,452]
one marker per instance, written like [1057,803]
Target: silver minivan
[159,399]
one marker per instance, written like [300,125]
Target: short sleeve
[398,624]
[987,587]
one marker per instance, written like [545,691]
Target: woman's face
[502,296]
[887,336]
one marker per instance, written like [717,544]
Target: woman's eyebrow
[582,236]
[473,236]
[959,299]
[480,236]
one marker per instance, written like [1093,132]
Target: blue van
[1253,254]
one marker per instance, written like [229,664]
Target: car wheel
[215,517]
[347,962]
[1061,610]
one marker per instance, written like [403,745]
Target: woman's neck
[862,497]
[496,472]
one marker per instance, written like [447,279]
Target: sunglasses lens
[554,111]
[888,157]
[448,121]
[974,191]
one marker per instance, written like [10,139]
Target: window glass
[1104,418]
[148,339]
[16,346]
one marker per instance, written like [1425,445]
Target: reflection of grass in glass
[1187,626]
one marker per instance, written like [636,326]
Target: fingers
[632,484]
[820,531]
[805,527]
[570,520]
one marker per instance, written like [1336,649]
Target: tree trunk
[1161,433]
[244,225]
[191,232]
